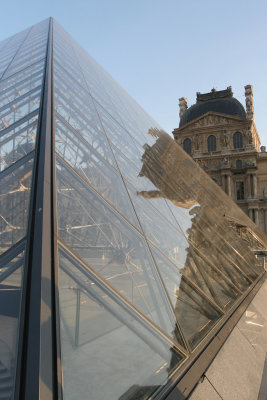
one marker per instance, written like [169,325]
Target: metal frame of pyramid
[123,266]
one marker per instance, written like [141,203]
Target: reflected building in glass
[121,261]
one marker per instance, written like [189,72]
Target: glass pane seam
[175,219]
[20,132]
[115,210]
[228,280]
[5,274]
[19,122]
[16,53]
[187,347]
[118,123]
[235,266]
[119,297]
[17,164]
[78,112]
[156,210]
[21,70]
[228,244]
[18,86]
[12,252]
[13,84]
[20,98]
[62,119]
[200,291]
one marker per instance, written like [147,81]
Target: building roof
[218,101]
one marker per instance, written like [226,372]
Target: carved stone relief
[225,162]
[197,141]
[225,140]
[211,120]
[251,163]
[248,135]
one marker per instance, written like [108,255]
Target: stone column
[265,220]
[255,191]
[228,185]
[250,213]
[223,182]
[248,187]
[256,211]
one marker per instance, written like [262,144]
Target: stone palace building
[223,139]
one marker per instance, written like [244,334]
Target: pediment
[212,119]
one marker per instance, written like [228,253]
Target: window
[240,190]
[238,164]
[211,143]
[238,140]
[187,145]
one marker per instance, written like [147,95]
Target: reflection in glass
[93,168]
[111,246]
[21,83]
[11,273]
[147,240]
[14,111]
[18,141]
[104,342]
[15,187]
[194,313]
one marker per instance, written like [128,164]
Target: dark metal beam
[188,376]
[36,379]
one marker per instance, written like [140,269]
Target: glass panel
[32,49]
[182,214]
[10,297]
[168,239]
[18,140]
[194,313]
[210,282]
[93,168]
[119,137]
[74,103]
[111,246]
[9,48]
[179,179]
[225,242]
[20,107]
[137,357]
[15,188]
[181,257]
[21,83]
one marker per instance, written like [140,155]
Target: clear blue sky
[160,50]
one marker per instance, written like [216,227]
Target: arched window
[187,145]
[238,164]
[211,143]
[238,140]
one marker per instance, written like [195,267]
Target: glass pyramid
[119,256]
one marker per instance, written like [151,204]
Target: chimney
[249,102]
[183,106]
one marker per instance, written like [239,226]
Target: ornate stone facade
[226,144]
